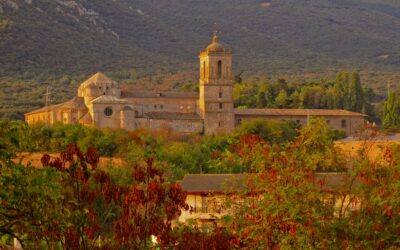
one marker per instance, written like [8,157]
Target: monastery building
[101,103]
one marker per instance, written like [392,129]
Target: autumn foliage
[73,204]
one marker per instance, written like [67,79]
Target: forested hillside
[67,37]
[61,42]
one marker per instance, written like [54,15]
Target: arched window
[219,68]
[204,69]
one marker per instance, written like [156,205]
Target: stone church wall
[146,105]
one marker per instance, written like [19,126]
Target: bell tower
[216,101]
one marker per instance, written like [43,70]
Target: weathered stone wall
[179,126]
[160,104]
[101,120]
[348,124]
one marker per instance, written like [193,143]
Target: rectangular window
[220,106]
[220,95]
[203,204]
[328,122]
[344,125]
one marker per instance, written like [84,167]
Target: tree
[295,99]
[272,131]
[148,209]
[261,100]
[304,97]
[356,95]
[282,99]
[391,116]
[340,90]
[282,207]
[31,204]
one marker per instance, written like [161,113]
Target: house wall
[205,208]
[40,117]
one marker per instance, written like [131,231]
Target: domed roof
[215,46]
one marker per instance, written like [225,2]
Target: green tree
[295,100]
[391,116]
[339,91]
[281,100]
[356,95]
[261,100]
[272,131]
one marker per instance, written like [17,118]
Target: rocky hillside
[83,36]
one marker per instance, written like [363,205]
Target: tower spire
[215,34]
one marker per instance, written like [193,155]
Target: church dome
[215,46]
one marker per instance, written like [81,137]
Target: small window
[220,95]
[219,124]
[328,122]
[161,106]
[344,125]
[219,69]
[220,106]
[155,106]
[108,111]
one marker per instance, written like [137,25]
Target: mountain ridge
[85,36]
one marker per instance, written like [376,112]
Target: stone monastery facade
[101,103]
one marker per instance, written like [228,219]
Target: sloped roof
[212,183]
[222,183]
[297,112]
[45,109]
[152,94]
[108,99]
[74,103]
[86,119]
[99,78]
[172,116]
[333,181]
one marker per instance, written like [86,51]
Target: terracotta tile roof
[212,183]
[44,109]
[333,181]
[172,116]
[108,99]
[74,103]
[98,78]
[86,119]
[298,112]
[152,94]
[221,183]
